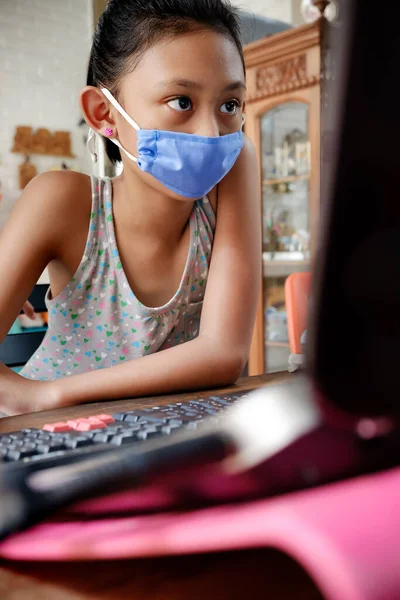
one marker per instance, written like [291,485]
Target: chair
[297,289]
[16,349]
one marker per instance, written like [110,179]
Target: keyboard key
[148,435]
[107,419]
[129,418]
[17,436]
[119,416]
[13,455]
[22,452]
[103,437]
[95,420]
[78,442]
[88,426]
[16,444]
[69,435]
[50,447]
[152,418]
[123,438]
[44,438]
[56,427]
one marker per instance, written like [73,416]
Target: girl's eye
[181,104]
[230,108]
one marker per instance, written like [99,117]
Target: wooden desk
[258,573]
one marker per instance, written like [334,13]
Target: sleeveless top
[97,322]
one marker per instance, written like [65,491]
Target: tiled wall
[44,46]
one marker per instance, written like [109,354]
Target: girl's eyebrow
[193,85]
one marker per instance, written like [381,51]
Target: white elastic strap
[243,119]
[117,143]
[91,144]
[119,108]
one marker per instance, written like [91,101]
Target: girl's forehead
[201,56]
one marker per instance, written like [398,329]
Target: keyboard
[68,441]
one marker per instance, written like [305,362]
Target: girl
[134,262]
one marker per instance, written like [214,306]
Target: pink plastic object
[297,289]
[346,535]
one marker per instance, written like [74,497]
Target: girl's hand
[29,310]
[20,395]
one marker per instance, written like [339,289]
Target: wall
[44,46]
[280,10]
[287,11]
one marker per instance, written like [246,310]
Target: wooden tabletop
[256,573]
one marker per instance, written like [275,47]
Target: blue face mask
[189,165]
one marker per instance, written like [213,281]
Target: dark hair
[127,28]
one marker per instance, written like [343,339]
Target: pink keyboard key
[89,425]
[56,427]
[105,418]
[94,420]
[75,422]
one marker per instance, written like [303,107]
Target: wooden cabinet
[283,121]
[97,8]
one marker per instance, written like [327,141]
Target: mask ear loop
[91,144]
[117,143]
[122,112]
[243,119]
[119,108]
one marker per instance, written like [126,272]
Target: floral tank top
[97,322]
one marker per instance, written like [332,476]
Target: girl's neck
[146,211]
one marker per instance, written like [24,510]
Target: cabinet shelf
[281,267]
[288,179]
[285,258]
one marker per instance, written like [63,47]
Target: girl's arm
[217,356]
[37,231]
[28,242]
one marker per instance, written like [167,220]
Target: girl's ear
[96,110]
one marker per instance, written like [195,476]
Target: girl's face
[193,83]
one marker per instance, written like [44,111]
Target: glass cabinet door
[286,167]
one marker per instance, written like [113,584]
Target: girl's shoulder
[60,184]
[60,200]
[66,192]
